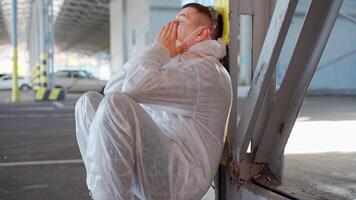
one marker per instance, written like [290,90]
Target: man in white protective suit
[158,131]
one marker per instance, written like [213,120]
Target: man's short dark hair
[214,16]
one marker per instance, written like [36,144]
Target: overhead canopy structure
[83,25]
[23,12]
[79,25]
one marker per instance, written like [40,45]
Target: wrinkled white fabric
[158,131]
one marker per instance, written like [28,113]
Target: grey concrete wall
[116,35]
[137,26]
[160,13]
[129,25]
[134,24]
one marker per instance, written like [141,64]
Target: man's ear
[203,35]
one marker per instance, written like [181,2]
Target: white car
[6,82]
[78,81]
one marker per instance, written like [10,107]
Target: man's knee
[115,118]
[119,102]
[116,112]
[91,99]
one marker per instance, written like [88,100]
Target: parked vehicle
[6,82]
[78,81]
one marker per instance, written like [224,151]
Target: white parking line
[31,109]
[8,116]
[58,104]
[45,162]
[35,115]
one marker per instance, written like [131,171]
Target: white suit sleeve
[174,88]
[115,83]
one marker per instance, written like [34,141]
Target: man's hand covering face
[168,37]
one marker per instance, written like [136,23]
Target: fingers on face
[174,31]
[169,29]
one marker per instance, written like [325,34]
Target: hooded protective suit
[158,132]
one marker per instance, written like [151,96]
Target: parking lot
[39,158]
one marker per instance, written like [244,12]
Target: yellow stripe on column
[54,94]
[36,80]
[15,82]
[44,79]
[43,60]
[42,56]
[40,93]
[36,87]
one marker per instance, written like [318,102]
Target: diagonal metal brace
[313,37]
[271,49]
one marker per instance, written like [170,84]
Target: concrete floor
[321,151]
[39,158]
[321,176]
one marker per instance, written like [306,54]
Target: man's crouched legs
[85,110]
[127,153]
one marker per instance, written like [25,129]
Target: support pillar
[129,23]
[15,84]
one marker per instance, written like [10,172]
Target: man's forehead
[193,14]
[189,11]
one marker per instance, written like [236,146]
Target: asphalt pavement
[39,157]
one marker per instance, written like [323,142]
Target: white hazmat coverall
[158,131]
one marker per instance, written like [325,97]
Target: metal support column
[233,70]
[15,85]
[313,37]
[41,47]
[262,79]
[265,123]
[42,44]
[224,189]
[50,41]
[245,44]
[261,19]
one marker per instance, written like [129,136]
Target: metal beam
[15,83]
[245,7]
[261,20]
[313,37]
[348,17]
[262,77]
[233,70]
[245,49]
[225,190]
